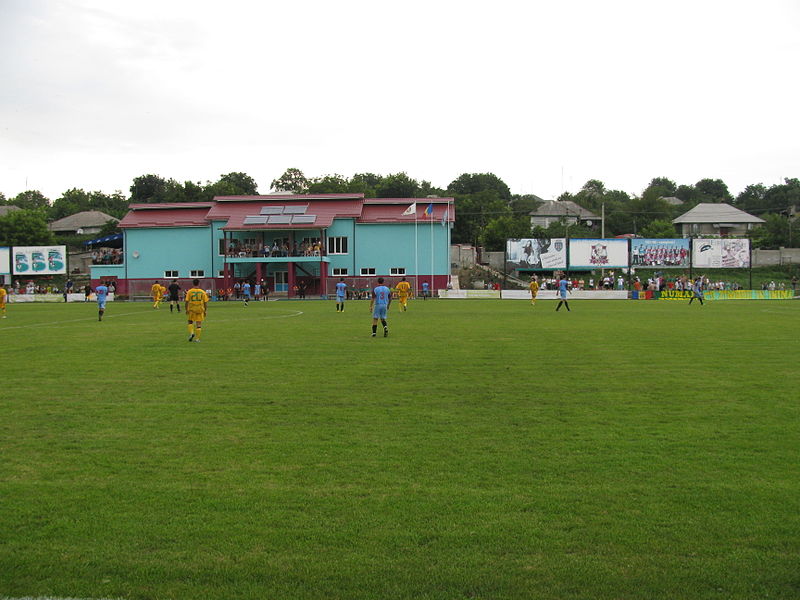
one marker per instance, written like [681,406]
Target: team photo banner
[542,254]
[40,260]
[5,260]
[660,253]
[602,253]
[721,253]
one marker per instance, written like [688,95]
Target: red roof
[390,210]
[324,207]
[161,215]
[273,198]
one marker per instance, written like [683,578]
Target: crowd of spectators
[309,247]
[107,256]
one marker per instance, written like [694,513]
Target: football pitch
[485,449]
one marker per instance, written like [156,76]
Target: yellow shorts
[195,315]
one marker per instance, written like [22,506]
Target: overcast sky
[545,95]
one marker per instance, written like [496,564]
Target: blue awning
[104,240]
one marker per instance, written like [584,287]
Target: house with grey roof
[551,211]
[716,218]
[7,208]
[88,221]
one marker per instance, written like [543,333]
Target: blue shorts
[101,304]
[379,311]
[563,295]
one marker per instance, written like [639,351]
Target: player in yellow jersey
[196,306]
[534,286]
[403,289]
[3,295]
[156,293]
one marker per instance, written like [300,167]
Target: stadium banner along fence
[5,260]
[40,260]
[666,253]
[721,253]
[536,254]
[598,253]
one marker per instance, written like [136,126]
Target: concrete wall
[783,256]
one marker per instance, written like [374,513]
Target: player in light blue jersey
[341,293]
[379,304]
[246,292]
[425,290]
[102,293]
[697,290]
[563,288]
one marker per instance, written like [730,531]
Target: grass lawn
[485,449]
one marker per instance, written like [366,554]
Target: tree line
[487,213]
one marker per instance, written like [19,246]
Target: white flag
[411,210]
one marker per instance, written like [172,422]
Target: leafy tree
[329,184]
[666,187]
[232,184]
[471,183]
[3,200]
[777,231]
[779,198]
[659,228]
[398,185]
[292,181]
[751,198]
[25,228]
[498,230]
[427,189]
[563,228]
[148,189]
[77,200]
[110,228]
[524,204]
[713,190]
[474,213]
[31,200]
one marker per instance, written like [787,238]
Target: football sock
[374,329]
[197,332]
[191,328]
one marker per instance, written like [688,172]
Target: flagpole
[432,279]
[416,252]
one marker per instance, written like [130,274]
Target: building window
[337,271]
[199,273]
[170,274]
[397,271]
[221,273]
[337,245]
[367,271]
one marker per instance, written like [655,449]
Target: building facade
[295,244]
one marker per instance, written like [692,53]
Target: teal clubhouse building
[291,244]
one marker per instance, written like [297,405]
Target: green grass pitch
[485,449]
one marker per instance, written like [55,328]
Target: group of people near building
[278,248]
[107,256]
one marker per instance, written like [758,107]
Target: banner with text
[40,260]
[598,254]
[660,253]
[543,254]
[5,260]
[721,253]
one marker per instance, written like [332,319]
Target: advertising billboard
[721,253]
[542,254]
[40,260]
[600,253]
[5,260]
[660,253]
